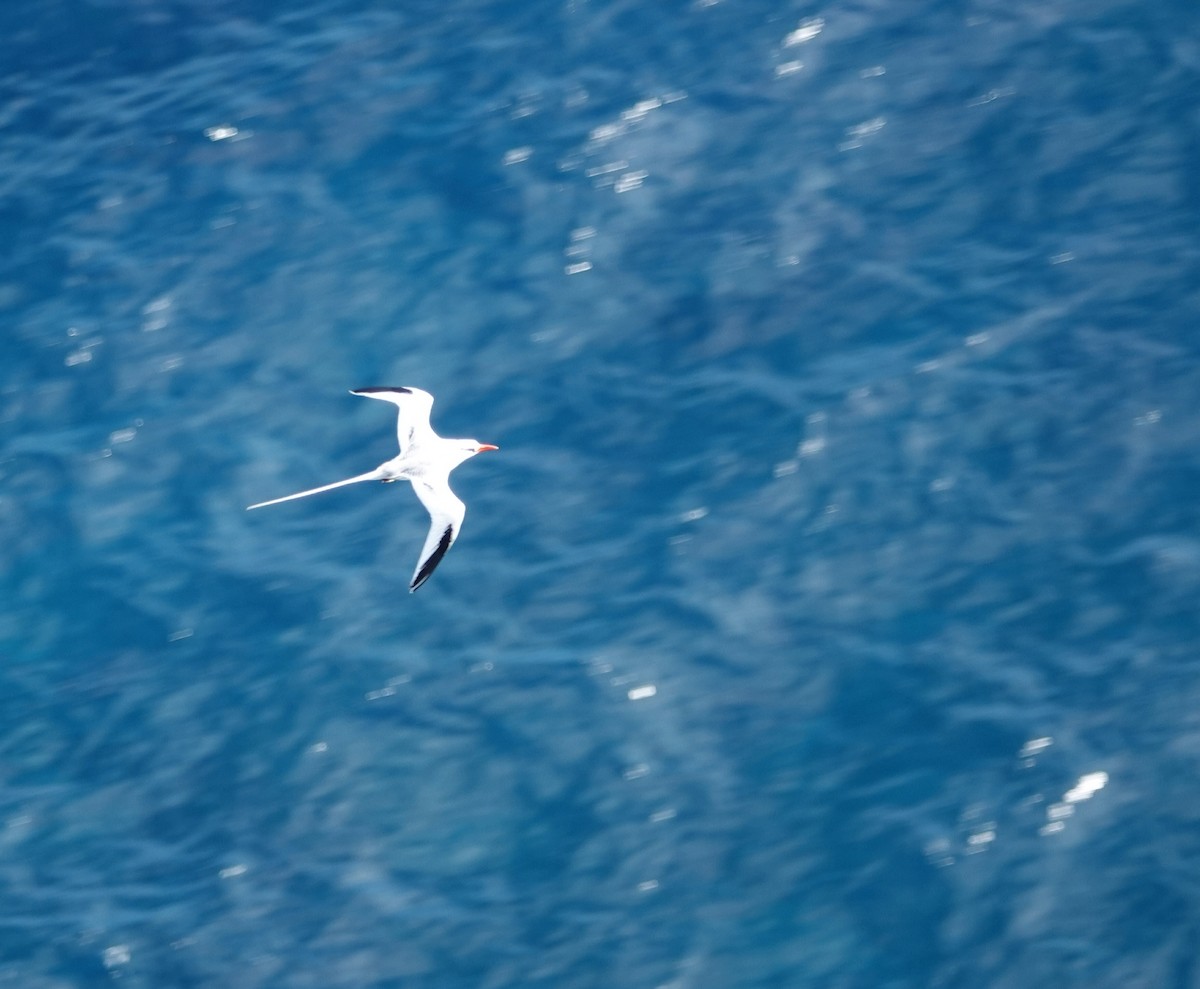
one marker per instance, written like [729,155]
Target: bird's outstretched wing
[413,405]
[445,519]
[374,475]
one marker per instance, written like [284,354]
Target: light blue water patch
[828,615]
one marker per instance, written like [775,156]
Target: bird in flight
[426,461]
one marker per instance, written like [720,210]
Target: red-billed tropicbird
[425,460]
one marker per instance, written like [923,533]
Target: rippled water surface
[829,615]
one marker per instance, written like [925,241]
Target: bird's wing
[374,475]
[446,513]
[413,405]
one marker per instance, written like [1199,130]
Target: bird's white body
[425,460]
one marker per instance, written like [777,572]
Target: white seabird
[426,461]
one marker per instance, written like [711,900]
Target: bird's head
[468,448]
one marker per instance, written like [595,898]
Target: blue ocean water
[828,616]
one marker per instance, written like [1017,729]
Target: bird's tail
[374,475]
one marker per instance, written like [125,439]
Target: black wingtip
[434,559]
[376,391]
